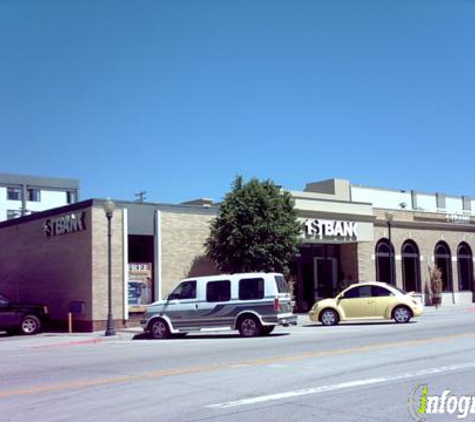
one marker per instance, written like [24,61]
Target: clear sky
[178,97]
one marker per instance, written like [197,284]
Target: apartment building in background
[22,195]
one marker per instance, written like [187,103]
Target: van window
[282,286]
[251,288]
[218,291]
[185,290]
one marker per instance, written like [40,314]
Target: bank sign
[330,229]
[70,223]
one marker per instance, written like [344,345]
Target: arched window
[465,267]
[383,263]
[443,260]
[411,267]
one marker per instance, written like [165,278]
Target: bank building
[350,233]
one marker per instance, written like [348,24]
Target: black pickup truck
[21,317]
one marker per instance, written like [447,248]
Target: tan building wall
[366,269]
[183,252]
[99,275]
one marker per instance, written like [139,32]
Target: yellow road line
[72,385]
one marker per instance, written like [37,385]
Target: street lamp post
[109,210]
[389,220]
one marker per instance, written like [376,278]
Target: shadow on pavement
[191,337]
[349,324]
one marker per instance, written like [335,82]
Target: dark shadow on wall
[202,266]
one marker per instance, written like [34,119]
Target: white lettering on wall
[330,228]
[70,223]
[457,218]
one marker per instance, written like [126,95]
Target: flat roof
[39,181]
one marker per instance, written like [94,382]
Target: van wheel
[30,325]
[267,330]
[159,329]
[249,326]
[329,317]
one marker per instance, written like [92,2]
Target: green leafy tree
[256,229]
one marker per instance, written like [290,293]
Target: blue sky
[178,97]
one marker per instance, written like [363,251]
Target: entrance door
[325,277]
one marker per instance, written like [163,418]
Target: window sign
[139,286]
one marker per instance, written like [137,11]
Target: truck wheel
[249,326]
[30,324]
[159,329]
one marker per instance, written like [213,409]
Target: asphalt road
[351,372]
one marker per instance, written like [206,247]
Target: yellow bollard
[70,322]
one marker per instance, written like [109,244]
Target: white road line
[350,384]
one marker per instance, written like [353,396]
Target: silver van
[253,303]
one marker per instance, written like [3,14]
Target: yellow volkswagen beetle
[368,300]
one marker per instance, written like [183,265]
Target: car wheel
[329,317]
[267,330]
[159,329]
[30,324]
[402,314]
[249,326]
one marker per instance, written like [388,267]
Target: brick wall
[183,253]
[99,275]
[50,270]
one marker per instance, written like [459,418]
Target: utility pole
[140,196]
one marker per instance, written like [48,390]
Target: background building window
[14,194]
[34,195]
[465,266]
[11,214]
[411,267]
[71,197]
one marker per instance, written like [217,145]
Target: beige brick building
[60,257]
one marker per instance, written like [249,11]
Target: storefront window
[383,263]
[465,267]
[444,261]
[411,267]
